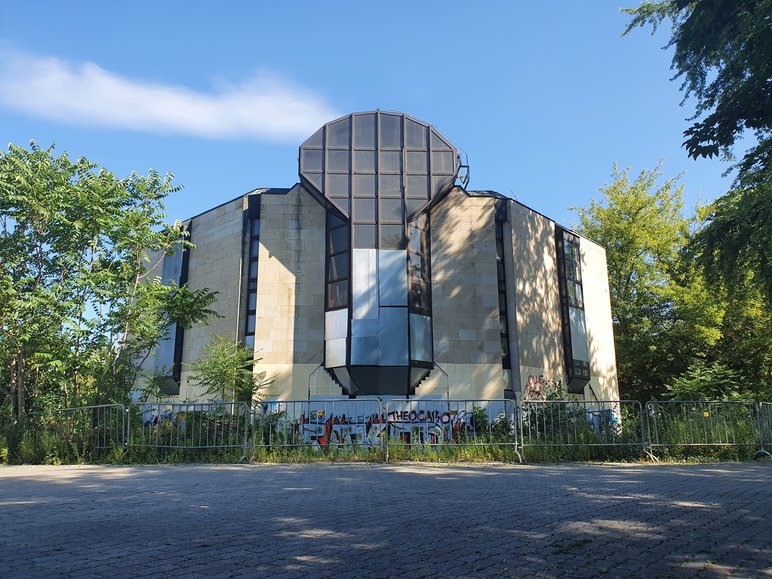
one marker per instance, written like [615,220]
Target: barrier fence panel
[324,425]
[765,421]
[197,425]
[443,426]
[78,433]
[571,424]
[680,424]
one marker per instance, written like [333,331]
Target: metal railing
[323,425]
[437,429]
[679,424]
[433,424]
[78,433]
[582,423]
[198,425]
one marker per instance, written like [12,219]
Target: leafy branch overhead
[723,54]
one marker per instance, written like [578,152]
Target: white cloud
[264,107]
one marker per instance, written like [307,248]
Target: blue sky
[542,96]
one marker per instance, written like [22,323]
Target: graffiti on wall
[333,426]
[541,388]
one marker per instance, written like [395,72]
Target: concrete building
[380,274]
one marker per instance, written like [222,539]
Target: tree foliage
[226,371]
[668,320]
[80,301]
[723,53]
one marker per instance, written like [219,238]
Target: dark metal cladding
[377,172]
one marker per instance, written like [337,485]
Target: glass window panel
[392,237]
[315,179]
[578,293]
[364,161]
[419,296]
[251,323]
[249,341]
[338,267]
[440,183]
[337,160]
[418,267]
[337,186]
[419,222]
[503,325]
[314,140]
[254,229]
[438,142]
[252,301]
[252,269]
[364,131]
[389,186]
[414,243]
[442,162]
[394,336]
[390,211]
[338,240]
[311,160]
[335,353]
[416,161]
[364,185]
[502,302]
[342,204]
[391,131]
[420,338]
[334,221]
[417,186]
[337,134]
[390,162]
[365,351]
[416,135]
[252,285]
[335,324]
[364,236]
[364,285]
[364,210]
[392,278]
[365,328]
[413,205]
[254,248]
[337,294]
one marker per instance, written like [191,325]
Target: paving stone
[398,520]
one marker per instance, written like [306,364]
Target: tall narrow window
[253,224]
[168,362]
[501,215]
[575,345]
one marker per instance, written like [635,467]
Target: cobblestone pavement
[564,520]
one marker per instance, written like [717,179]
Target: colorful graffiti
[409,426]
[541,388]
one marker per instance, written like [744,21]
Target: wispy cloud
[263,107]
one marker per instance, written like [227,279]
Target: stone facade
[482,300]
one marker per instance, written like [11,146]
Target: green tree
[226,371]
[80,300]
[723,54]
[640,224]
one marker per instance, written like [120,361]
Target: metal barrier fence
[582,423]
[430,424]
[188,425]
[79,432]
[702,423]
[499,428]
[320,424]
[765,421]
